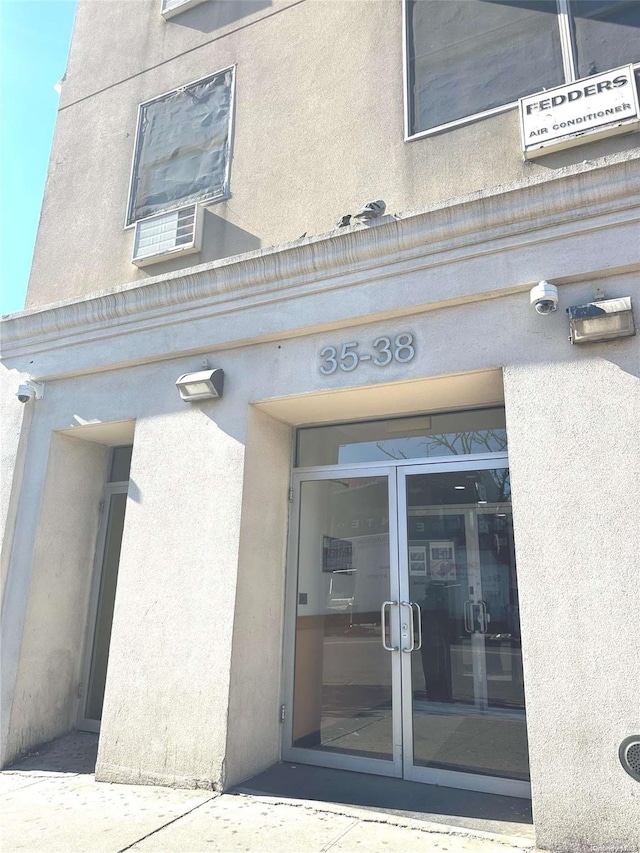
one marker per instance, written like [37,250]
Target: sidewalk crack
[165,825]
[340,837]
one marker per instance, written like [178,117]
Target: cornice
[589,197]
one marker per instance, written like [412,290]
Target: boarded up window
[182,147]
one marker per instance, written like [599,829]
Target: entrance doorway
[405,622]
[103,593]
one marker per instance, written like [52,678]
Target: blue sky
[34,43]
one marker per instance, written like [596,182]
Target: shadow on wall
[221,239]
[625,360]
[209,17]
[588,151]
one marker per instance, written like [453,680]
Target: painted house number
[346,356]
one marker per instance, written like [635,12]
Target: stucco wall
[50,584]
[575,471]
[255,689]
[169,662]
[16,420]
[318,131]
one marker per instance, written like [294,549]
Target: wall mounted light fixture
[203,385]
[603,320]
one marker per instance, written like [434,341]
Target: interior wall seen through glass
[418,437]
[343,676]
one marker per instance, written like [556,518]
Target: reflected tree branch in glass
[397,454]
[463,443]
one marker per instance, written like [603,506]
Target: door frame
[82,722]
[401,766]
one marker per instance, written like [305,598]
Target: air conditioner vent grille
[177,232]
[169,8]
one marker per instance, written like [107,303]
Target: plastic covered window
[182,152]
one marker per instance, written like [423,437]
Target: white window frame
[568,64]
[205,199]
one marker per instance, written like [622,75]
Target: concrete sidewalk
[52,810]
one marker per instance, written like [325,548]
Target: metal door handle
[412,647]
[383,623]
[484,617]
[419,612]
[468,616]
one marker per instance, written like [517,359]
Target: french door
[404,627]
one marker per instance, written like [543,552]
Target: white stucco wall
[171,644]
[16,420]
[255,690]
[575,469]
[56,577]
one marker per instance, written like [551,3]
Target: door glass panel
[106,601]
[418,437]
[342,692]
[466,678]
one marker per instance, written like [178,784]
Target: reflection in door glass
[342,689]
[467,685]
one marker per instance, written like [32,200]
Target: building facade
[402,536]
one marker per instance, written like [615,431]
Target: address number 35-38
[385,350]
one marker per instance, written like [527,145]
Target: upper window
[467,58]
[120,463]
[415,437]
[182,151]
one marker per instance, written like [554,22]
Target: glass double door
[407,654]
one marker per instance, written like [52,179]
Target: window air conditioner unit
[168,235]
[169,8]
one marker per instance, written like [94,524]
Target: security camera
[544,297]
[30,391]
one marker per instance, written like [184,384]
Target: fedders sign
[578,112]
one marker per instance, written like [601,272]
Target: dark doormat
[450,806]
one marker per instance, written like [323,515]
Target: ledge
[588,197]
